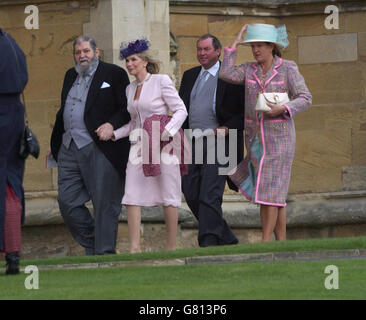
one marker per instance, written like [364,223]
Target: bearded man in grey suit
[93,102]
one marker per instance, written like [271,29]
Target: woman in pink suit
[150,94]
[264,175]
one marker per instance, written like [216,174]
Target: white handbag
[278,98]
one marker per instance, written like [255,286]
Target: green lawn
[250,280]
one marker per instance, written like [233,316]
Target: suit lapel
[255,67]
[191,83]
[95,86]
[277,63]
[132,92]
[220,91]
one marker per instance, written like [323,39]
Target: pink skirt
[161,190]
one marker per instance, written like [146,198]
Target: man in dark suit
[92,99]
[217,107]
[13,79]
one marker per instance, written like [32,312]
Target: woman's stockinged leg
[280,228]
[171,223]
[134,224]
[269,216]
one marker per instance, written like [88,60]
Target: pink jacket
[277,136]
[158,96]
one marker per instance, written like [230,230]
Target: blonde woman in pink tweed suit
[264,174]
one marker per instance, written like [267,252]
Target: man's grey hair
[80,39]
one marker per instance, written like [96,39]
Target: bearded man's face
[85,58]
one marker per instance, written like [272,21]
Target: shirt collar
[213,70]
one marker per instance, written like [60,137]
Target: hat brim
[247,42]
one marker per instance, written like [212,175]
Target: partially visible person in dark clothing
[13,79]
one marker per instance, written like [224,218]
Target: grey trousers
[84,175]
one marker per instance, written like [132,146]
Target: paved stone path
[220,259]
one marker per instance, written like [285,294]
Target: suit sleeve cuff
[229,48]
[287,114]
[122,132]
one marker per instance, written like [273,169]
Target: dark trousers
[203,190]
[84,175]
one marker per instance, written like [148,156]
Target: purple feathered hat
[133,47]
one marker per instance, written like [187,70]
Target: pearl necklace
[147,77]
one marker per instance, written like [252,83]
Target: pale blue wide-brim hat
[260,32]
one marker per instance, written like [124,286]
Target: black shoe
[223,243]
[12,263]
[235,241]
[209,240]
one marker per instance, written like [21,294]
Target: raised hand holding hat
[239,38]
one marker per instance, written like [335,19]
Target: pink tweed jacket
[158,96]
[276,136]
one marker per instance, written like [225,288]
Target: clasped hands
[105,131]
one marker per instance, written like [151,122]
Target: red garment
[151,169]
[12,230]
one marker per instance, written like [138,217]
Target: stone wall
[331,135]
[49,54]
[329,172]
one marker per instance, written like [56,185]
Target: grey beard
[85,71]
